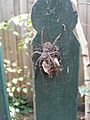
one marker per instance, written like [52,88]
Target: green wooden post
[4,107]
[56,98]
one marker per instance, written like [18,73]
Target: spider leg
[40,63]
[56,39]
[40,67]
[42,36]
[36,52]
[37,61]
[51,60]
[55,66]
[57,54]
[54,53]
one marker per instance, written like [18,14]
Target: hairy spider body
[49,61]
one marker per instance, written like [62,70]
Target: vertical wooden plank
[88,25]
[0,10]
[4,106]
[25,55]
[0,19]
[23,6]
[82,14]
[12,39]
[23,10]
[83,20]
[29,5]
[16,7]
[4,16]
[87,99]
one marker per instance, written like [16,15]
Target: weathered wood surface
[55,98]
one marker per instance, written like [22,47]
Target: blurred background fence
[14,58]
[83,10]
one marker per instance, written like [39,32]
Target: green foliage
[18,103]
[27,32]
[22,78]
[20,106]
[4,25]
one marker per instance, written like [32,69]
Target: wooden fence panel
[82,9]
[9,9]
[84,13]
[88,24]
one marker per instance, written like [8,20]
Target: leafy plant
[24,23]
[20,106]
[18,103]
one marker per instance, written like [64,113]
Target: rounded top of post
[52,14]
